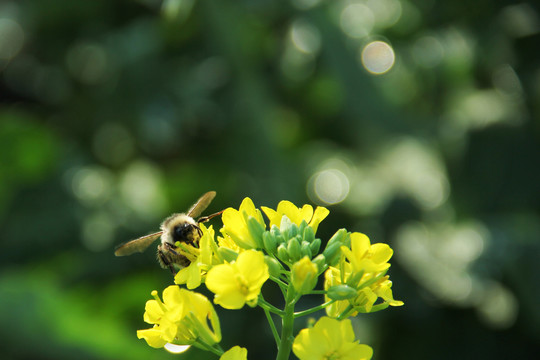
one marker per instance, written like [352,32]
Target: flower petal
[306,213]
[320,214]
[358,352]
[230,300]
[221,278]
[153,312]
[235,353]
[381,253]
[290,210]
[273,215]
[152,337]
[253,268]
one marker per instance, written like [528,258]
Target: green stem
[379,307]
[345,313]
[204,346]
[287,338]
[282,285]
[269,307]
[272,326]
[312,310]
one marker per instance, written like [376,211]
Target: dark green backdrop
[114,114]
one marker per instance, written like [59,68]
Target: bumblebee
[181,227]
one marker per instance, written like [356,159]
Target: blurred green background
[415,122]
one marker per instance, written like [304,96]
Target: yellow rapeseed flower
[366,257]
[296,214]
[366,296]
[235,224]
[239,282]
[330,339]
[182,318]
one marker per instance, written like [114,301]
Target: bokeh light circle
[330,186]
[378,57]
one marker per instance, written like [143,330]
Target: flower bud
[274,230]
[227,254]
[293,230]
[302,227]
[274,267]
[309,234]
[315,246]
[320,261]
[304,275]
[340,237]
[305,249]
[255,230]
[285,225]
[341,292]
[294,250]
[282,253]
[331,253]
[270,243]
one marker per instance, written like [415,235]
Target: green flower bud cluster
[291,242]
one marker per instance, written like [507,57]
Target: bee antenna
[198,230]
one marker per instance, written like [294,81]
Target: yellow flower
[235,224]
[383,289]
[366,257]
[239,282]
[170,308]
[304,275]
[295,214]
[365,297]
[163,316]
[194,273]
[199,320]
[235,353]
[182,318]
[330,339]
[332,277]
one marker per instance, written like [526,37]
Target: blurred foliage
[415,122]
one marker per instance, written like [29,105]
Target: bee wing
[201,204]
[137,245]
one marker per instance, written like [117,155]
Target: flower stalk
[287,338]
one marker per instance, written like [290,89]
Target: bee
[181,228]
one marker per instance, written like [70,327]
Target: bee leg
[170,248]
[206,218]
[164,261]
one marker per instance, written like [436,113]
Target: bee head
[182,228]
[186,232]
